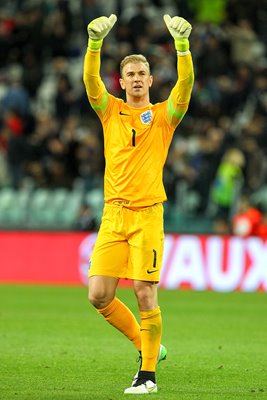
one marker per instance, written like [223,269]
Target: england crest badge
[146,117]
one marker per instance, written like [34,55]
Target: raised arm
[95,88]
[179,98]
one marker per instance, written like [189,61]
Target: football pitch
[53,345]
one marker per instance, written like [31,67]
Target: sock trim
[150,313]
[144,376]
[109,307]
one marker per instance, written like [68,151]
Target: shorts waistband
[125,204]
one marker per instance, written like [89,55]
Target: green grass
[53,345]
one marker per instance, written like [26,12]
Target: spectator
[49,133]
[228,183]
[261,230]
[138,25]
[247,221]
[245,44]
[16,97]
[256,163]
[66,99]
[85,220]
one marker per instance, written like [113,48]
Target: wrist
[95,44]
[182,44]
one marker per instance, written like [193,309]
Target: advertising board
[218,263]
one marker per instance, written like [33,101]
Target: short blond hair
[134,58]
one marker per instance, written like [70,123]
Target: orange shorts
[129,243]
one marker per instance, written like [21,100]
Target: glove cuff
[182,44]
[95,44]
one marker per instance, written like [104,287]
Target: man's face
[136,79]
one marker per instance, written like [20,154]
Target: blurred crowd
[50,137]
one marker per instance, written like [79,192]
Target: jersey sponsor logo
[151,272]
[146,117]
[122,113]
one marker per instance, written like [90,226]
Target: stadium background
[53,344]
[51,158]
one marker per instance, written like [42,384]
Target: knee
[98,299]
[144,301]
[146,297]
[102,290]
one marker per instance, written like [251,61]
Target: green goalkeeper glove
[180,30]
[98,30]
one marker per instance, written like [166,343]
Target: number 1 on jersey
[133,137]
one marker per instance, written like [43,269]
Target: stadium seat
[13,207]
[59,197]
[54,208]
[40,209]
[67,213]
[95,198]
[176,221]
[259,198]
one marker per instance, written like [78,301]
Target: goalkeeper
[137,136]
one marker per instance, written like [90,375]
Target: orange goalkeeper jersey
[136,140]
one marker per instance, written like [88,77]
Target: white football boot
[147,387]
[161,356]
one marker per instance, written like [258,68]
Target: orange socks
[119,316]
[146,339]
[151,328]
